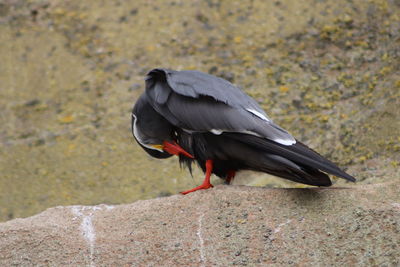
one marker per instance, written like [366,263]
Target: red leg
[206,183]
[230,176]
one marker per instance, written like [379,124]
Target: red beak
[175,149]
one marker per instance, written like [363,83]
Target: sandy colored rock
[224,226]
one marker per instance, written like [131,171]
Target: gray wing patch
[196,101]
[194,84]
[162,92]
[206,115]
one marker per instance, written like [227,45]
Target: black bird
[206,119]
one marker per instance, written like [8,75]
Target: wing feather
[192,83]
[200,102]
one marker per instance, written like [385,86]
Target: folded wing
[199,102]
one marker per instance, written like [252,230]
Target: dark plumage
[206,119]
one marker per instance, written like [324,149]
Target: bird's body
[206,119]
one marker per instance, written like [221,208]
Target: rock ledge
[224,226]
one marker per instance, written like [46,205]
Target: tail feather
[315,178]
[298,153]
[287,169]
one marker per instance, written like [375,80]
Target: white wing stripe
[216,132]
[286,142]
[258,114]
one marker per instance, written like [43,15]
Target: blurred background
[70,72]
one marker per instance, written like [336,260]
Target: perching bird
[206,119]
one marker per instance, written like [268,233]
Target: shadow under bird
[203,118]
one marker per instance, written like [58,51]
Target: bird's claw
[200,187]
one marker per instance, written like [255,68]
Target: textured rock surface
[224,226]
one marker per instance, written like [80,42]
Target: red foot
[229,177]
[203,186]
[206,183]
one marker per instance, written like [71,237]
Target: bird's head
[153,132]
